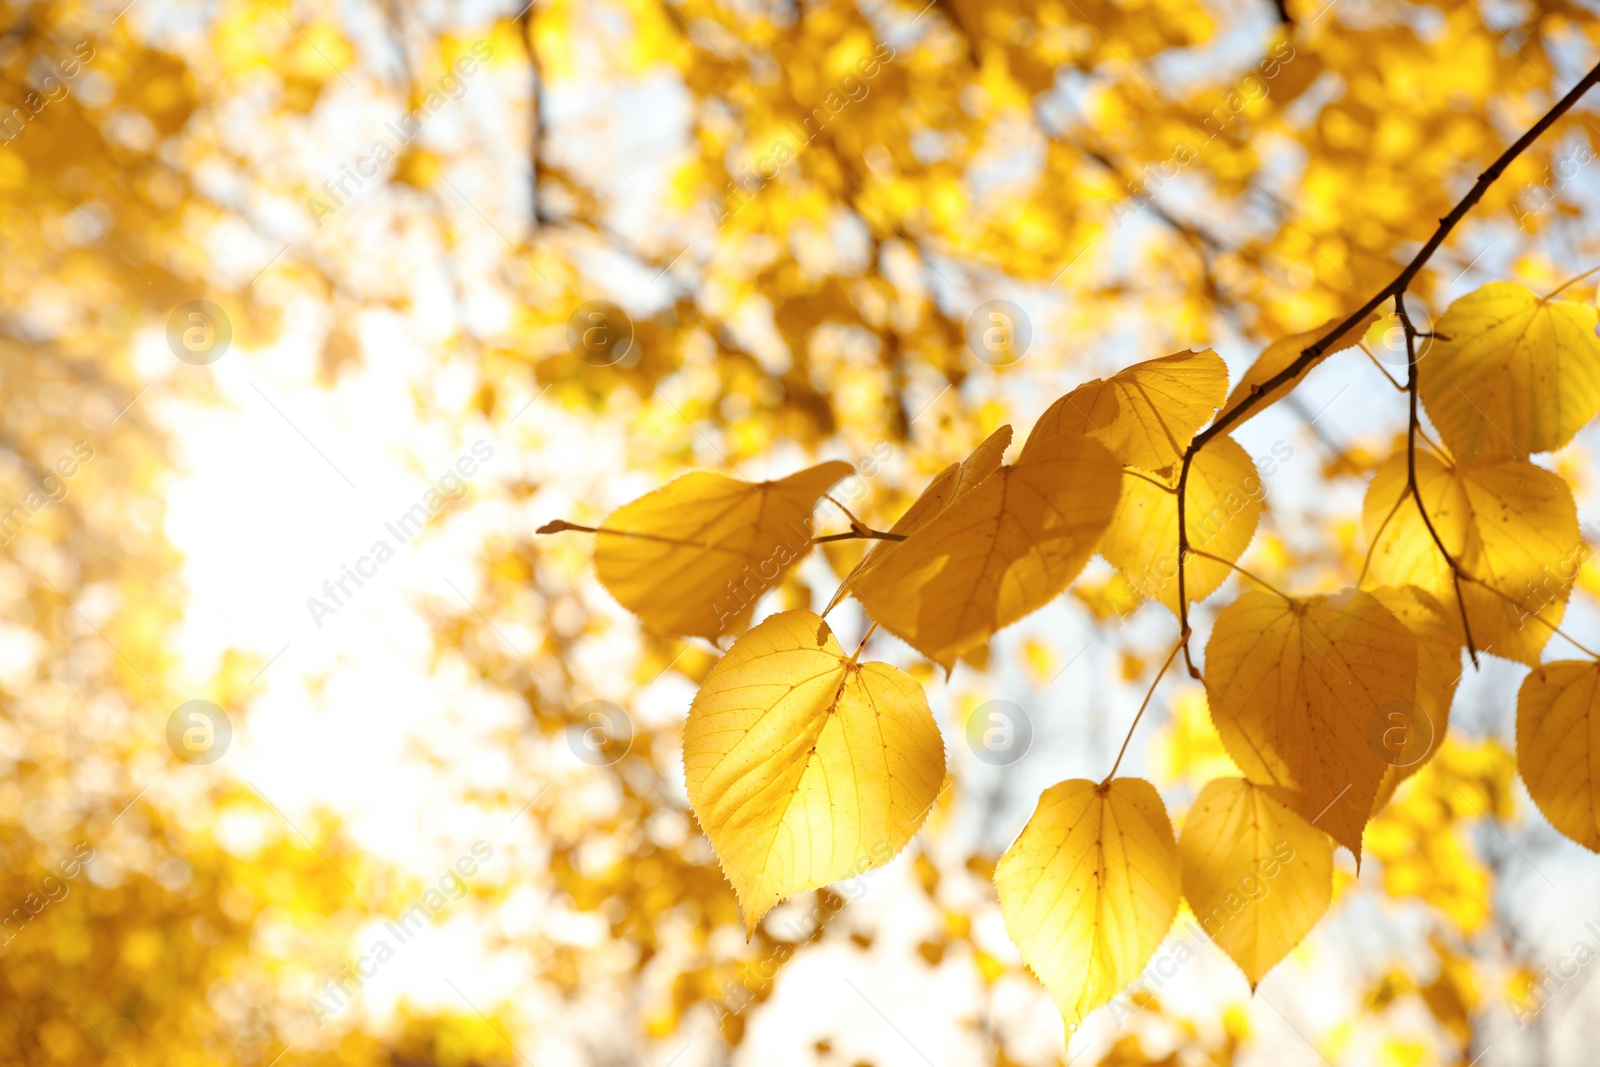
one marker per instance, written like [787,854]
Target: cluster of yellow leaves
[806,766]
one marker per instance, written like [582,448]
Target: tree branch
[1404,279]
[535,105]
[1312,353]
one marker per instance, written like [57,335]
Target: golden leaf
[1558,723]
[1222,507]
[1509,524]
[1257,875]
[805,767]
[1511,374]
[1089,889]
[692,558]
[1411,736]
[1277,357]
[1295,687]
[1147,413]
[947,488]
[997,551]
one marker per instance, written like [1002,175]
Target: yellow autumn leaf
[1295,689]
[1089,889]
[692,558]
[1509,524]
[948,487]
[1411,736]
[1222,508]
[1558,723]
[805,767]
[1147,413]
[1277,357]
[1256,875]
[1511,374]
[996,552]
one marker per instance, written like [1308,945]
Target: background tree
[797,213]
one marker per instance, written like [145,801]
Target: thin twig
[1413,422]
[859,535]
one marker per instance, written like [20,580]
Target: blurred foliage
[843,183]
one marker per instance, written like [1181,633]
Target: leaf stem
[1552,627]
[1376,537]
[562,525]
[1381,368]
[1183,642]
[1158,483]
[855,523]
[856,655]
[1268,586]
[1569,282]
